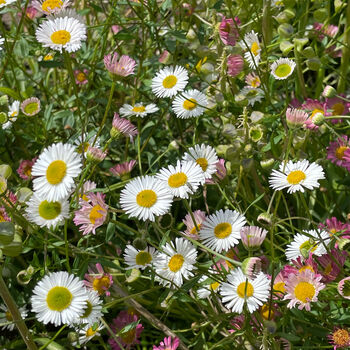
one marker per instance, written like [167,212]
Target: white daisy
[208,288]
[12,114]
[296,176]
[221,230]
[251,43]
[93,310]
[240,289]
[61,33]
[169,81]
[2,40]
[50,6]
[87,333]
[282,68]
[183,179]
[55,170]
[139,259]
[189,104]
[59,298]
[138,110]
[302,244]
[253,95]
[83,143]
[7,317]
[205,157]
[145,197]
[3,3]
[44,213]
[176,263]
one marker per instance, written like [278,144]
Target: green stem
[346,53]
[66,245]
[53,338]
[300,81]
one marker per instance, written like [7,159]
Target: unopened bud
[139,243]
[313,63]
[285,30]
[320,14]
[265,219]
[329,91]
[3,118]
[5,171]
[267,164]
[286,47]
[308,52]
[318,119]
[23,194]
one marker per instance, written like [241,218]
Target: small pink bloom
[3,215]
[252,237]
[331,269]
[30,106]
[338,152]
[95,154]
[168,344]
[98,280]
[340,338]
[328,30]
[25,168]
[81,76]
[163,58]
[235,64]
[124,67]
[337,107]
[191,231]
[313,107]
[253,80]
[116,29]
[228,31]
[296,117]
[220,172]
[31,12]
[124,169]
[123,126]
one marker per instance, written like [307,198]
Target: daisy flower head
[302,289]
[338,152]
[240,289]
[138,110]
[119,67]
[59,298]
[296,176]
[123,170]
[169,81]
[314,107]
[87,187]
[87,333]
[183,179]
[302,244]
[251,43]
[145,198]
[81,76]
[336,227]
[228,30]
[220,173]
[205,157]
[139,259]
[208,288]
[191,229]
[50,6]
[340,338]
[189,104]
[93,310]
[122,126]
[332,264]
[61,33]
[128,338]
[252,95]
[252,237]
[176,263]
[55,170]
[253,80]
[98,280]
[4,3]
[282,68]
[221,230]
[344,287]
[49,214]
[9,318]
[92,214]
[168,344]
[30,106]
[296,117]
[14,109]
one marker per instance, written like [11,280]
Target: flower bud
[313,63]
[173,145]
[5,171]
[320,14]
[207,68]
[229,130]
[191,35]
[165,221]
[256,133]
[300,42]
[139,243]
[165,57]
[4,99]
[285,30]
[23,194]
[7,232]
[329,91]
[265,219]
[344,244]
[267,164]
[251,266]
[3,118]
[308,52]
[318,119]
[286,47]
[221,150]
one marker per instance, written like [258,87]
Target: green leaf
[10,92]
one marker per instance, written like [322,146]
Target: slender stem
[23,330]
[139,145]
[346,53]
[53,338]
[300,80]
[66,245]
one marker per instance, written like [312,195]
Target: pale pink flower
[328,30]
[336,227]
[313,107]
[253,80]
[344,288]
[235,64]
[220,173]
[338,152]
[191,231]
[81,76]
[123,126]
[95,154]
[31,12]
[168,344]
[228,31]
[296,117]
[252,237]
[116,29]
[25,168]
[340,338]
[337,106]
[30,106]
[98,280]
[124,67]
[124,169]
[163,58]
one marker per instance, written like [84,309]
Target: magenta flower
[191,231]
[124,67]
[123,170]
[163,58]
[334,226]
[337,107]
[338,152]
[331,269]
[129,338]
[116,29]
[168,344]
[98,280]
[328,30]
[235,64]
[81,76]
[313,107]
[25,168]
[92,213]
[123,126]
[228,31]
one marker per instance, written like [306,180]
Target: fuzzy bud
[3,118]
[313,63]
[318,119]
[5,171]
[329,91]
[265,219]
[251,266]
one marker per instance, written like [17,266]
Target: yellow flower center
[61,37]
[59,298]
[194,231]
[255,82]
[81,76]
[328,269]
[83,147]
[304,291]
[176,262]
[143,258]
[295,177]
[308,246]
[56,172]
[95,213]
[129,336]
[190,104]
[8,316]
[266,312]
[146,198]
[31,108]
[2,218]
[101,284]
[339,152]
[222,230]
[139,109]
[14,113]
[214,285]
[49,210]
[245,289]
[203,163]
[88,310]
[255,48]
[341,337]
[279,287]
[170,81]
[51,5]
[90,332]
[48,57]
[177,180]
[338,109]
[315,111]
[283,70]
[307,267]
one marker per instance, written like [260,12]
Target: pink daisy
[331,269]
[123,170]
[3,215]
[235,64]
[344,288]
[338,151]
[336,227]
[328,30]
[279,284]
[302,289]
[98,280]
[81,76]
[129,338]
[296,117]
[123,126]
[95,154]
[252,237]
[220,173]
[313,107]
[25,168]
[124,67]
[253,80]
[168,344]
[191,231]
[228,31]
[92,213]
[337,106]
[340,338]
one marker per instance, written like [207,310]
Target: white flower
[169,81]
[189,104]
[282,68]
[240,289]
[50,6]
[3,3]
[87,333]
[138,110]
[296,176]
[12,114]
[93,309]
[209,287]
[61,33]
[59,298]
[2,40]
[183,179]
[139,259]
[302,244]
[145,197]
[176,263]
[55,170]
[251,43]
[83,143]
[44,213]
[253,95]
[8,317]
